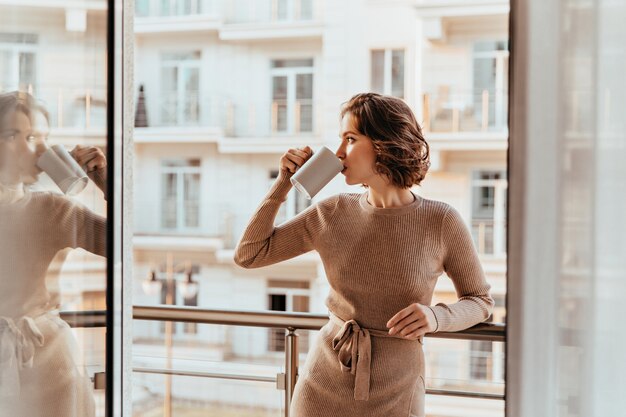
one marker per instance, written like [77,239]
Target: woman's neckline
[391,211]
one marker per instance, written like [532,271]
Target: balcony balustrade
[480,111]
[290,322]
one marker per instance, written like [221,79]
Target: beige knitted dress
[378,261]
[38,372]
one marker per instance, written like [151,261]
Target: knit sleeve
[79,227]
[264,244]
[462,265]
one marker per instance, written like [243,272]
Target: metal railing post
[291,365]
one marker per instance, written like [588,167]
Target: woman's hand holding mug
[91,158]
[294,159]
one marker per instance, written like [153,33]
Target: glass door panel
[54,165]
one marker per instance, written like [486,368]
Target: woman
[382,251]
[38,374]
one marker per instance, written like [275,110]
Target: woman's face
[21,144]
[357,154]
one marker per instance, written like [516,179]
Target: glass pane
[53,208]
[192,200]
[28,69]
[191,82]
[397,74]
[485,86]
[304,86]
[142,8]
[281,117]
[279,104]
[306,9]
[169,205]
[168,7]
[6,70]
[281,9]
[291,63]
[378,71]
[279,88]
[169,90]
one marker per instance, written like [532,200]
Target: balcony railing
[290,322]
[482,111]
[271,11]
[489,237]
[73,107]
[252,119]
[174,8]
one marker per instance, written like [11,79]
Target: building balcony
[175,8]
[460,8]
[174,242]
[270,31]
[214,346]
[75,115]
[258,20]
[157,16]
[466,121]
[237,127]
[443,19]
[242,20]
[272,11]
[59,4]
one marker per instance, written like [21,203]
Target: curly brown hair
[402,151]
[15,101]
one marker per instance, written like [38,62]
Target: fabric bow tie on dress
[355,346]
[17,350]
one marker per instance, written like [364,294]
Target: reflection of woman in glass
[38,374]
[383,251]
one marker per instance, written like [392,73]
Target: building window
[288,10]
[285,295]
[296,202]
[292,95]
[491,82]
[18,61]
[489,201]
[387,72]
[180,194]
[180,89]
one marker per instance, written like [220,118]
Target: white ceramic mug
[316,172]
[63,170]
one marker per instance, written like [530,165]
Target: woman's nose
[340,153]
[40,148]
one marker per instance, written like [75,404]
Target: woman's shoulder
[435,206]
[336,202]
[53,203]
[345,201]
